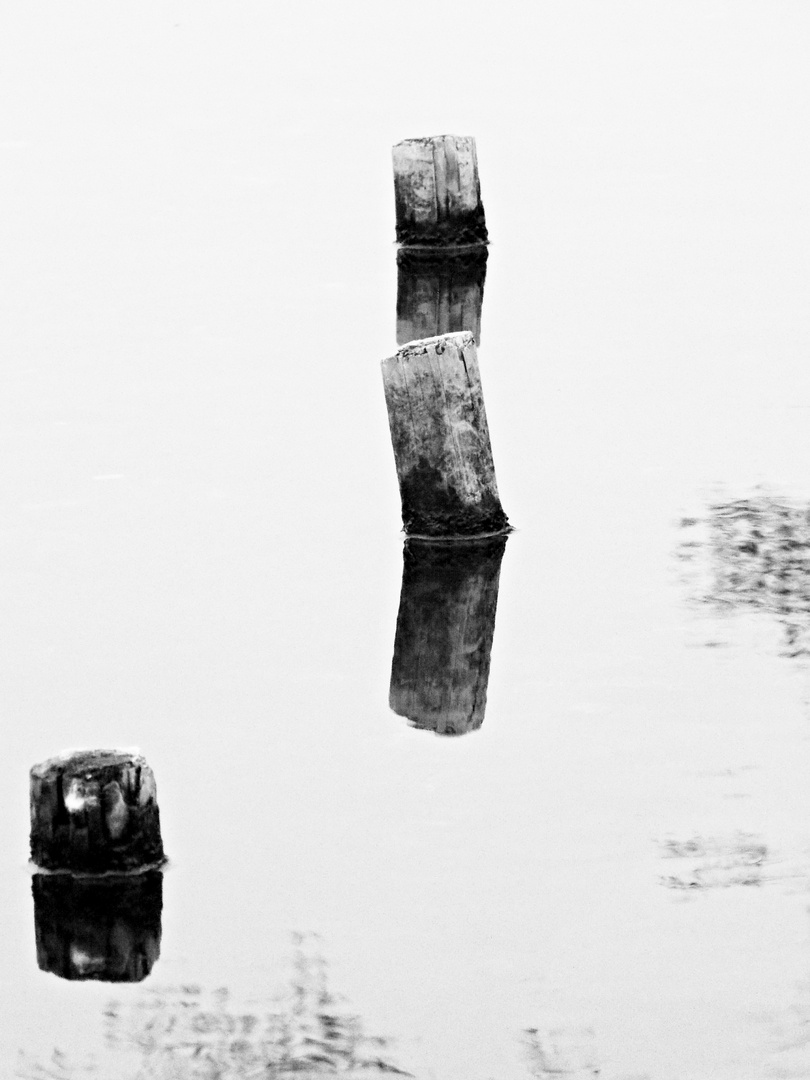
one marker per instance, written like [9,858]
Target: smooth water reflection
[106,928]
[445,627]
[439,292]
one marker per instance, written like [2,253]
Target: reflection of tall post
[439,291]
[98,927]
[445,627]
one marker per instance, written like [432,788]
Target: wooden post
[105,927]
[439,291]
[445,627]
[441,439]
[95,811]
[437,193]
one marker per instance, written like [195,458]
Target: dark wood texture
[95,811]
[105,927]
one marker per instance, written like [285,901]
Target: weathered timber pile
[441,439]
[95,811]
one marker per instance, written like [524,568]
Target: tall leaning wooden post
[437,192]
[441,440]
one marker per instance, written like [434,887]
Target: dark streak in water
[715,862]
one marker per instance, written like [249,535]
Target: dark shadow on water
[754,555]
[193,1033]
[439,292]
[102,928]
[445,627]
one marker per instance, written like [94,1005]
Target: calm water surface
[200,554]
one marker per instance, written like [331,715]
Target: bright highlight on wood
[441,439]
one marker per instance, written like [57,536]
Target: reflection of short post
[98,927]
[95,811]
[441,439]
[445,627]
[439,292]
[438,196]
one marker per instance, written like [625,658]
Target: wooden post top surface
[439,343]
[92,761]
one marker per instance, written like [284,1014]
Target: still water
[607,866]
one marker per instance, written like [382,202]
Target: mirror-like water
[199,548]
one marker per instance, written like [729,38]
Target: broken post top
[437,192]
[90,761]
[440,439]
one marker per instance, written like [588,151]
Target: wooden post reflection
[98,927]
[445,628]
[439,291]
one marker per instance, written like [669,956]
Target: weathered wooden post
[445,627]
[439,291]
[95,811]
[441,440]
[95,827]
[103,926]
[437,192]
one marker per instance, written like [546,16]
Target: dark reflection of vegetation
[105,928]
[757,557]
[439,291]
[445,627]
[715,862]
[188,1033]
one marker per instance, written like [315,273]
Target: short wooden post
[95,811]
[439,291]
[105,927]
[441,439]
[437,192]
[445,627]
